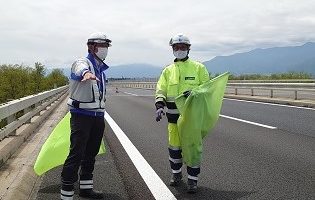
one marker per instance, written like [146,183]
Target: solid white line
[157,187]
[249,122]
[273,104]
[130,93]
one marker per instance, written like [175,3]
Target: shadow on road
[55,189]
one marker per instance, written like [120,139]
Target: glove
[187,93]
[159,110]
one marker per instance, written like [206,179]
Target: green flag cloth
[198,115]
[56,148]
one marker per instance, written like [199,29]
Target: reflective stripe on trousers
[175,158]
[86,184]
[66,195]
[193,172]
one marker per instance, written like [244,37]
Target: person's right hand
[159,112]
[89,76]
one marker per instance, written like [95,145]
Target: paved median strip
[157,187]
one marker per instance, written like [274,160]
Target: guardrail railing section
[14,114]
[297,90]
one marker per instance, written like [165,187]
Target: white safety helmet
[98,37]
[179,39]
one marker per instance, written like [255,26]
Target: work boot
[191,186]
[176,179]
[90,193]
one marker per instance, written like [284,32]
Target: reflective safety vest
[176,79]
[87,95]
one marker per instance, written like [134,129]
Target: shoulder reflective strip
[86,182]
[192,177]
[86,186]
[175,160]
[172,111]
[67,192]
[65,198]
[176,171]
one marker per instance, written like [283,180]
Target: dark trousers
[86,137]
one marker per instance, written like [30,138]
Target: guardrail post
[26,110]
[295,94]
[271,93]
[11,119]
[235,91]
[252,91]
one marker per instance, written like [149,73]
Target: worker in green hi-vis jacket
[180,77]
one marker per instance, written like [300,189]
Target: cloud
[55,32]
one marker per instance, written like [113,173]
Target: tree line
[18,81]
[277,76]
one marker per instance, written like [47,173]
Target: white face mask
[102,52]
[180,54]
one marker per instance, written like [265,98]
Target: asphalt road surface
[256,151]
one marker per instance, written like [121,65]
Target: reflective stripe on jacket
[90,94]
[176,79]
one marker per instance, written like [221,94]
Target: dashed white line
[249,122]
[237,119]
[157,187]
[130,93]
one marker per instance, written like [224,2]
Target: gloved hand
[159,110]
[187,93]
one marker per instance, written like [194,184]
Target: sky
[55,32]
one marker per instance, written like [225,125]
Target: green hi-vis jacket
[176,79]
[56,148]
[198,115]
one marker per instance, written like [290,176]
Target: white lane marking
[157,187]
[249,122]
[273,104]
[130,93]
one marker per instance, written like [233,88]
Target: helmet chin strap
[97,57]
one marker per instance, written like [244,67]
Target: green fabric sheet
[198,115]
[56,148]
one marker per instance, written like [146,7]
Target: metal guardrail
[27,107]
[294,90]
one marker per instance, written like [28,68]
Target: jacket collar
[91,57]
[181,60]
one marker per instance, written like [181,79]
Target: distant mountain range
[134,71]
[139,70]
[267,61]
[257,61]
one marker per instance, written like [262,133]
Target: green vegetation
[19,81]
[279,76]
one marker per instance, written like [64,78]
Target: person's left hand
[187,93]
